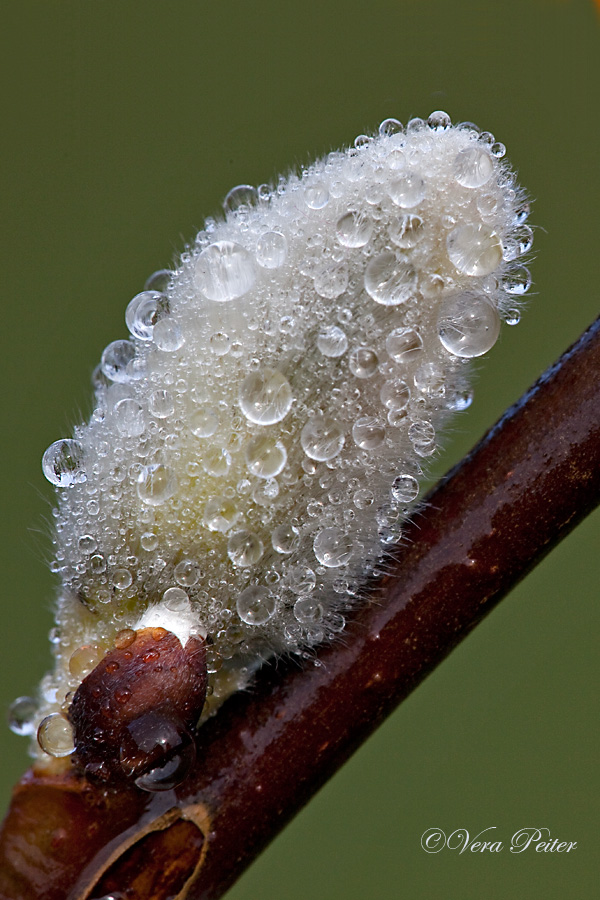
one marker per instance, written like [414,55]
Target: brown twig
[525,486]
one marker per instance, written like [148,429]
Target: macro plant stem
[526,485]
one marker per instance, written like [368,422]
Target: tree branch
[533,477]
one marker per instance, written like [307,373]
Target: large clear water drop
[468,324]
[224,271]
[390,281]
[265,397]
[322,438]
[474,249]
[63,463]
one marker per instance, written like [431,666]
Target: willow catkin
[259,438]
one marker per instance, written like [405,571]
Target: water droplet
[473,166]
[395,394]
[242,196]
[116,359]
[322,438]
[430,379]
[122,695]
[265,456]
[439,121]
[422,435]
[389,127]
[219,343]
[93,507]
[396,417]
[363,498]
[265,397]
[468,325]
[389,520]
[406,231]
[115,393]
[354,229]
[517,282]
[332,341]
[333,548]
[255,605]
[524,238]
[368,433]
[55,736]
[21,716]
[204,422]
[159,281]
[137,369]
[129,417]
[98,564]
[331,280]
[404,489]
[244,548]
[407,190]
[156,484]
[63,463]
[162,746]
[214,660]
[224,271]
[474,249]
[161,404]
[265,492]
[336,622]
[308,610]
[301,579]
[216,462]
[415,125]
[122,579]
[87,543]
[175,599]
[513,316]
[459,399]
[522,214]
[99,383]
[363,362]
[510,249]
[170,774]
[187,572]
[285,539]
[220,514]
[488,204]
[390,281]
[149,541]
[404,344]
[143,312]
[84,660]
[271,250]
[316,195]
[287,324]
[168,335]
[469,128]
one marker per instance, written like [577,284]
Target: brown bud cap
[135,714]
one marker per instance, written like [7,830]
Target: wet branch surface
[533,477]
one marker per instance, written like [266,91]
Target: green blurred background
[124,124]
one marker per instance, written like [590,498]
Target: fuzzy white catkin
[258,439]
